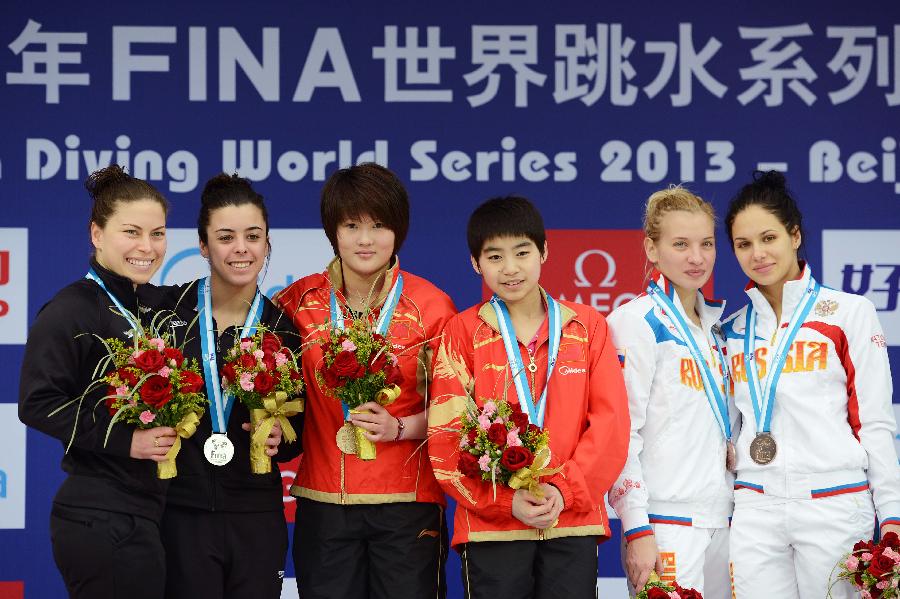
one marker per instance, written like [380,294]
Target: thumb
[659,564]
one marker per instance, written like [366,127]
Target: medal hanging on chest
[218,448]
[763,448]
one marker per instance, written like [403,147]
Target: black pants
[224,555]
[564,568]
[390,550]
[107,554]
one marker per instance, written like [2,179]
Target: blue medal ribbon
[514,357]
[381,325]
[758,394]
[718,402]
[220,403]
[93,276]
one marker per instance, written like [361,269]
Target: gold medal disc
[346,439]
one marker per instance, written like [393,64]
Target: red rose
[228,372]
[468,465]
[890,539]
[379,339]
[150,360]
[378,364]
[858,579]
[269,362]
[392,375]
[688,593]
[127,377]
[173,354]
[514,458]
[247,362]
[533,428]
[331,379]
[657,593]
[270,343]
[295,376]
[880,565]
[497,434]
[263,383]
[471,435]
[156,391]
[345,364]
[864,547]
[191,382]
[520,421]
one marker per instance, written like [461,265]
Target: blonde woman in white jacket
[674,496]
[815,457]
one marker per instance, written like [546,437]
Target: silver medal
[218,449]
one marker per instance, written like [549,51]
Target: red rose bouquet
[872,568]
[357,367]
[149,384]
[263,374]
[657,589]
[498,444]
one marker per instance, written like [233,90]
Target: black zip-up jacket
[232,487]
[60,357]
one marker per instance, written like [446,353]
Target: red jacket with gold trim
[586,416]
[401,472]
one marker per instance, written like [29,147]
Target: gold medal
[346,439]
[763,449]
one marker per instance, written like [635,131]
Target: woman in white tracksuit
[815,458]
[674,496]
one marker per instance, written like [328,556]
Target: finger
[165,431]
[373,418]
[642,579]
[368,426]
[271,451]
[372,407]
[659,564]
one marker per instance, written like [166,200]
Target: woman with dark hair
[105,516]
[815,458]
[224,528]
[375,528]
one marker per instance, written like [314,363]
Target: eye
[769,238]
[741,245]
[680,244]
[493,257]
[253,236]
[378,225]
[349,225]
[522,253]
[159,234]
[225,238]
[130,231]
[708,244]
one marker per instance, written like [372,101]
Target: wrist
[400,427]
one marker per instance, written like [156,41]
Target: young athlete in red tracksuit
[514,544]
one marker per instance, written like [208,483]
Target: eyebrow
[227,230]
[491,248]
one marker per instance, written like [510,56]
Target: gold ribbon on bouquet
[184,429]
[276,408]
[365,449]
[527,477]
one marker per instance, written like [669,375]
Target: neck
[360,290]
[775,292]
[529,307]
[688,299]
[230,303]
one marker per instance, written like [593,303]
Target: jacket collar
[487,314]
[336,279]
[121,287]
[710,310]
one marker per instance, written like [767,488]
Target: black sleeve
[60,357]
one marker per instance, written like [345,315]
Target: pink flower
[892,554]
[674,595]
[512,438]
[280,359]
[463,442]
[484,462]
[490,408]
[348,345]
[258,354]
[852,563]
[499,420]
[247,381]
[123,390]
[392,358]
[246,344]
[866,557]
[883,584]
[147,417]
[484,422]
[135,355]
[164,371]
[157,343]
[864,594]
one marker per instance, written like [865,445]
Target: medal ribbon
[220,403]
[507,332]
[717,403]
[763,411]
[381,325]
[125,313]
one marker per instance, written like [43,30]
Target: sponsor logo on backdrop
[295,254]
[13,285]
[12,468]
[866,262]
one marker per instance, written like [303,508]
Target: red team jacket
[586,416]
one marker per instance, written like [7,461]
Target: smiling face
[766,251]
[364,245]
[132,243]
[685,251]
[237,244]
[511,268]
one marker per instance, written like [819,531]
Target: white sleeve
[636,347]
[872,387]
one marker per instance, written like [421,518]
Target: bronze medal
[346,439]
[763,449]
[730,457]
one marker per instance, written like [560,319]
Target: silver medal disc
[218,449]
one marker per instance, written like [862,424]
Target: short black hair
[507,216]
[367,189]
[769,191]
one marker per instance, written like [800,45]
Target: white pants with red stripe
[696,557]
[788,548]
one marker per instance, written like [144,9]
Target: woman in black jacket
[104,520]
[224,528]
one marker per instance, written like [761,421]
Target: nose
[144,244]
[365,236]
[695,256]
[758,253]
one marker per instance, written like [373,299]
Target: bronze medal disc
[763,449]
[730,457]
[346,439]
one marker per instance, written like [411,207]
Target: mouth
[140,262]
[514,284]
[695,273]
[240,265]
[365,254]
[763,269]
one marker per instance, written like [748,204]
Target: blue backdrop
[584,107]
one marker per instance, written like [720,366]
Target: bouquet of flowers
[872,568]
[657,589]
[263,374]
[498,444]
[149,383]
[358,367]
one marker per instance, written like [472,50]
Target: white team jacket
[675,472]
[833,421]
